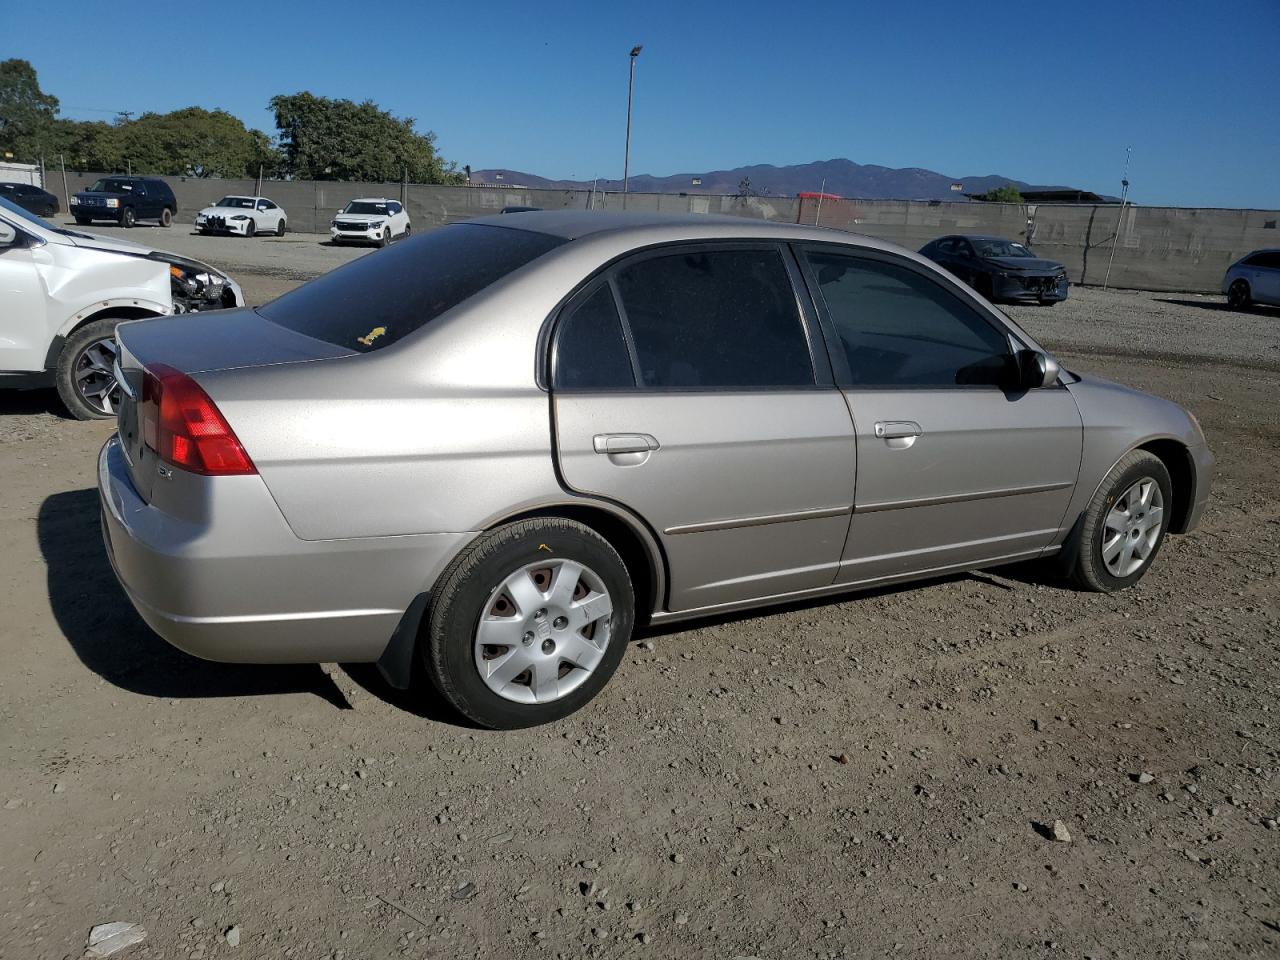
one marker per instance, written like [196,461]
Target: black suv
[126,200]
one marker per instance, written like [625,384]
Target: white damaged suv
[62,293]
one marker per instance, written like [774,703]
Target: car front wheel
[1124,525]
[528,623]
[85,376]
[127,217]
[1239,296]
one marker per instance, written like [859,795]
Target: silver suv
[499,446]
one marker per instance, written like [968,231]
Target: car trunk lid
[194,344]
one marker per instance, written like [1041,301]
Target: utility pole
[626,160]
[1124,196]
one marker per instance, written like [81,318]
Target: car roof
[372,200]
[576,224]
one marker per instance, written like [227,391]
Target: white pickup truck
[62,293]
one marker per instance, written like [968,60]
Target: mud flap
[396,662]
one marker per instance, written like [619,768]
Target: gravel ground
[881,776]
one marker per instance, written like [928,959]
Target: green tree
[325,139]
[1006,194]
[193,142]
[27,113]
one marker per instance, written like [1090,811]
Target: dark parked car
[126,200]
[40,202]
[1000,269]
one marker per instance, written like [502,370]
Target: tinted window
[899,328]
[393,207]
[374,301]
[947,246]
[719,319]
[590,351]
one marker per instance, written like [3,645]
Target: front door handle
[897,429]
[612,443]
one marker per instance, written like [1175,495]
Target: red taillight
[182,425]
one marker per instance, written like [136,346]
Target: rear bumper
[243,588]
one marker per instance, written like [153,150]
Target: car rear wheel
[528,623]
[166,217]
[408,229]
[280,228]
[1239,296]
[1124,525]
[85,376]
[127,217]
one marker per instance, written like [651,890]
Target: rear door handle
[897,429]
[611,443]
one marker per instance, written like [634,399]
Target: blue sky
[1044,92]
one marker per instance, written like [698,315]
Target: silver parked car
[499,446]
[1253,279]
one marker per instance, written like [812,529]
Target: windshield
[1001,248]
[365,206]
[241,203]
[111,185]
[374,301]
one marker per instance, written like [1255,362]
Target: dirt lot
[875,777]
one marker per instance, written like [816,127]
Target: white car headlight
[240,216]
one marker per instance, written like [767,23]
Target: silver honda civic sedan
[499,447]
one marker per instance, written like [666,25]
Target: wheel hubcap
[95,376]
[1132,528]
[544,630]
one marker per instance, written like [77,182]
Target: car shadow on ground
[24,403]
[111,639]
[1219,306]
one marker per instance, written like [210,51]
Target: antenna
[1124,196]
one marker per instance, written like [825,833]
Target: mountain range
[840,177]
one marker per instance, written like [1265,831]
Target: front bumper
[353,236]
[1029,289]
[243,588]
[95,212]
[233,227]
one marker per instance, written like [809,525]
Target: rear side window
[590,351]
[715,319]
[898,328]
[374,301]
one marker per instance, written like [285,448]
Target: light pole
[626,160]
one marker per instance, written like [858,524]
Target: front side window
[372,302]
[590,352]
[899,328]
[715,319]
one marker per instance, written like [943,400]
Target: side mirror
[1036,369]
[8,235]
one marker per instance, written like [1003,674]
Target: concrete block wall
[1156,248]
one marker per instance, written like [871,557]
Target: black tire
[166,217]
[383,240]
[1239,296]
[69,361]
[83,221]
[250,228]
[447,642]
[408,229]
[280,228]
[1090,571]
[128,218]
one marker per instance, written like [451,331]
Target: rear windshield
[385,295]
